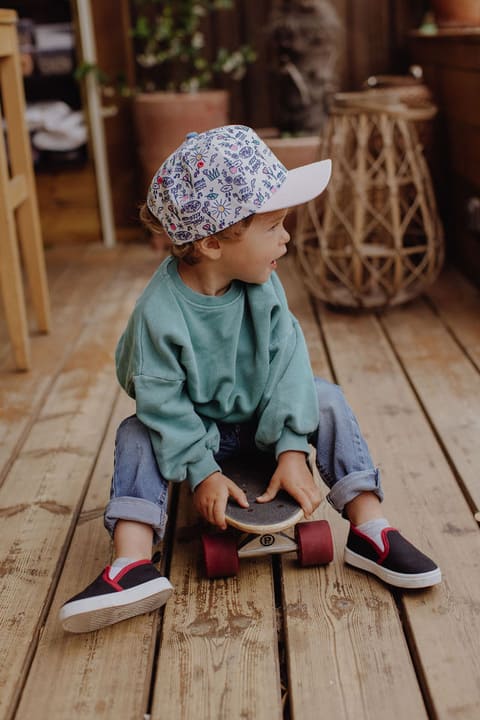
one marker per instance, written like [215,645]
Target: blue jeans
[139,492]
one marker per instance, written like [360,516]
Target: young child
[217,363]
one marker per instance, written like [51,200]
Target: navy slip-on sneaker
[138,588]
[399,563]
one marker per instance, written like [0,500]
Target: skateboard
[263,528]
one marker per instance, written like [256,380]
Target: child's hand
[211,497]
[292,474]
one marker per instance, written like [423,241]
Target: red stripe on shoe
[382,554]
[124,571]
[106,577]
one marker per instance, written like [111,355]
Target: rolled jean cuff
[352,485]
[136,510]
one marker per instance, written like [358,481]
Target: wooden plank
[346,648]
[423,499]
[457,88]
[57,265]
[74,295]
[464,151]
[463,248]
[404,17]
[345,70]
[438,368]
[300,305]
[457,302]
[115,55]
[259,98]
[218,656]
[368,40]
[76,664]
[42,492]
[459,51]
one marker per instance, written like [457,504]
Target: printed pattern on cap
[213,180]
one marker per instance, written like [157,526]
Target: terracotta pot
[162,120]
[457,13]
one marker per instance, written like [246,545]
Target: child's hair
[189,252]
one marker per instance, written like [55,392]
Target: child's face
[254,256]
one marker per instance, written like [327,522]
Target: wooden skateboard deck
[266,528]
[252,473]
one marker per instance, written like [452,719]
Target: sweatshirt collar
[232,294]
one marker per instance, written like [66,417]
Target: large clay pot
[163,119]
[457,13]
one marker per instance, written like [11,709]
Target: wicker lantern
[374,238]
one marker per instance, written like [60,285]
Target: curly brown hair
[189,251]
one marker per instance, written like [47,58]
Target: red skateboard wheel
[314,543]
[220,556]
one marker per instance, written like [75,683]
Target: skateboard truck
[312,541]
[251,545]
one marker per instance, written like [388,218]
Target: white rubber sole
[401,580]
[93,613]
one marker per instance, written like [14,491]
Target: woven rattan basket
[373,239]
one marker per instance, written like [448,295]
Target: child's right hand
[211,496]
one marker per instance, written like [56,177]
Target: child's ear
[210,247]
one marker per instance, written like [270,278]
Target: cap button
[190,135]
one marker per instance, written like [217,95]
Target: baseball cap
[221,176]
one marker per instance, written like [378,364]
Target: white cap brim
[302,184]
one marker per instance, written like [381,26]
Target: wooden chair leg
[12,286]
[28,222]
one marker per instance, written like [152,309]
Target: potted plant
[177,75]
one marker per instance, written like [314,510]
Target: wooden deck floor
[277,641]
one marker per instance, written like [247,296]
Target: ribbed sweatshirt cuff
[291,441]
[198,471]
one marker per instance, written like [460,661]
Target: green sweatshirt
[190,360]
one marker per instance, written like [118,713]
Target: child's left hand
[292,474]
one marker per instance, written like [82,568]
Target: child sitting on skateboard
[216,362]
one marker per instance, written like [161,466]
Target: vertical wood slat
[424,500]
[260,96]
[116,58]
[457,302]
[438,367]
[79,663]
[346,648]
[219,648]
[41,493]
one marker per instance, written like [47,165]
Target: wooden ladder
[18,204]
